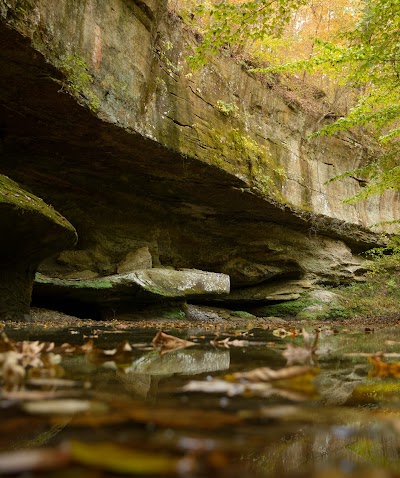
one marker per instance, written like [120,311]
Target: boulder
[31,232]
[138,259]
[135,288]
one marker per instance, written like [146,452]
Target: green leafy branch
[232,24]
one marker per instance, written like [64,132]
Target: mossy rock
[284,309]
[137,288]
[31,231]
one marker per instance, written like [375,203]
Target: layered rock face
[158,166]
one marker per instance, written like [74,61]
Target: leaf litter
[33,373]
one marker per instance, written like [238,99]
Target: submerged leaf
[165,343]
[119,459]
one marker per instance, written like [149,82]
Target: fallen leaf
[215,386]
[5,343]
[266,374]
[165,343]
[302,355]
[227,343]
[19,395]
[281,332]
[124,412]
[66,406]
[120,355]
[119,459]
[378,391]
[294,354]
[55,382]
[220,343]
[383,369]
[258,389]
[30,460]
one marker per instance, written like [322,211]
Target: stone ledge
[140,287]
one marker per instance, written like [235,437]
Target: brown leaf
[266,374]
[227,343]
[220,343]
[292,391]
[383,369]
[122,354]
[281,332]
[5,343]
[302,355]
[165,343]
[294,354]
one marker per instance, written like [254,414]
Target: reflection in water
[351,428]
[188,362]
[146,372]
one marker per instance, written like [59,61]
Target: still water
[124,406]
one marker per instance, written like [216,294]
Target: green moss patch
[12,194]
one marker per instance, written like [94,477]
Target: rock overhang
[141,169]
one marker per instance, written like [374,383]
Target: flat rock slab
[142,286]
[271,292]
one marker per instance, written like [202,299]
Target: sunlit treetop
[358,44]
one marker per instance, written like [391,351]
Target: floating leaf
[383,369]
[294,354]
[120,355]
[302,355]
[165,343]
[281,332]
[227,343]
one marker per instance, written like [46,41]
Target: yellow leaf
[119,459]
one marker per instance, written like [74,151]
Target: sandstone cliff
[210,169]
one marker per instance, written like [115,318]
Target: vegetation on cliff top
[350,50]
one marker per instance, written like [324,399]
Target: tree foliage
[364,55]
[237,22]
